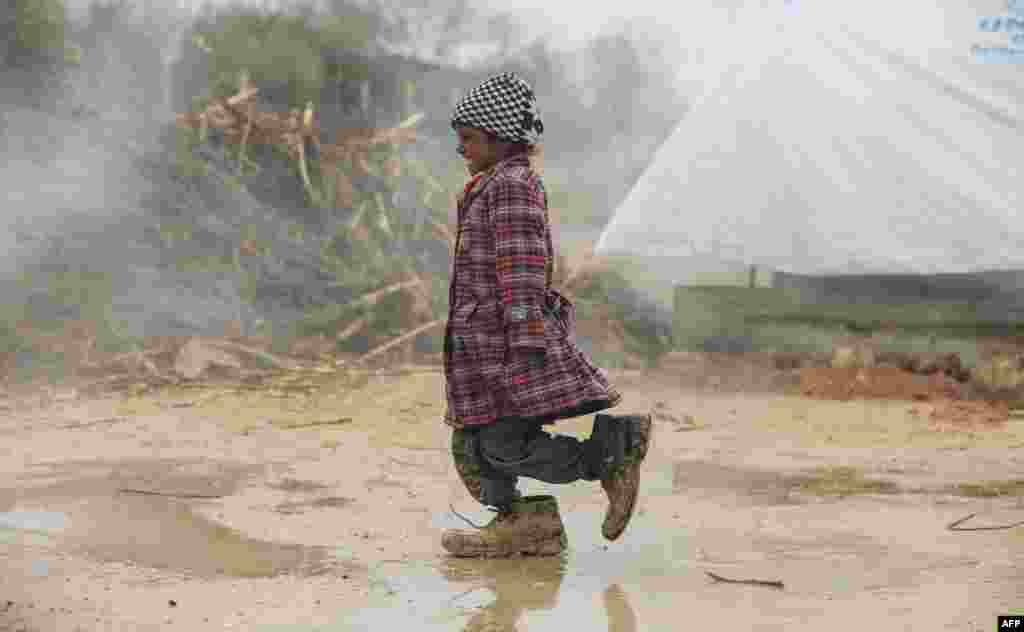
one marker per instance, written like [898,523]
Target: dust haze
[89,142]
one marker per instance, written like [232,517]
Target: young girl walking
[511,363]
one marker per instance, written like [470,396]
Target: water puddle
[163,533]
[528,594]
[592,586]
[30,527]
[653,578]
[144,516]
[650,579]
[33,520]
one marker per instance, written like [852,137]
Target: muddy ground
[317,504]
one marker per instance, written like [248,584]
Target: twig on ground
[149,492]
[328,422]
[955,525]
[752,582]
[96,422]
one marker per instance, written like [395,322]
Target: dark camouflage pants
[490,459]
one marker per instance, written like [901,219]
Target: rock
[857,357]
[196,357]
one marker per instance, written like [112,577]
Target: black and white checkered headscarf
[503,105]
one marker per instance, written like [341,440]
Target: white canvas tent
[829,138]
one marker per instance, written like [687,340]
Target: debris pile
[297,135]
[878,382]
[958,416]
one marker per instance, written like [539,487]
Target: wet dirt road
[208,509]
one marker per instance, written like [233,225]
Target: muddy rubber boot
[624,440]
[530,525]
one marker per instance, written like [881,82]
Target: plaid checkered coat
[503,312]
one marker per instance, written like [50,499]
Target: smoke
[79,142]
[73,137]
[88,148]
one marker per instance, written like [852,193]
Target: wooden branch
[312,424]
[443,231]
[751,582]
[412,121]
[97,422]
[245,139]
[148,492]
[358,216]
[363,165]
[301,147]
[394,343]
[375,296]
[371,298]
[242,97]
[351,330]
[955,525]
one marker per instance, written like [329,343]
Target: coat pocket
[562,311]
[464,311]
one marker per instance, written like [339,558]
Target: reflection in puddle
[518,586]
[621,617]
[590,587]
[507,595]
[523,589]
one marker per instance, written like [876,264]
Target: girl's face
[478,149]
